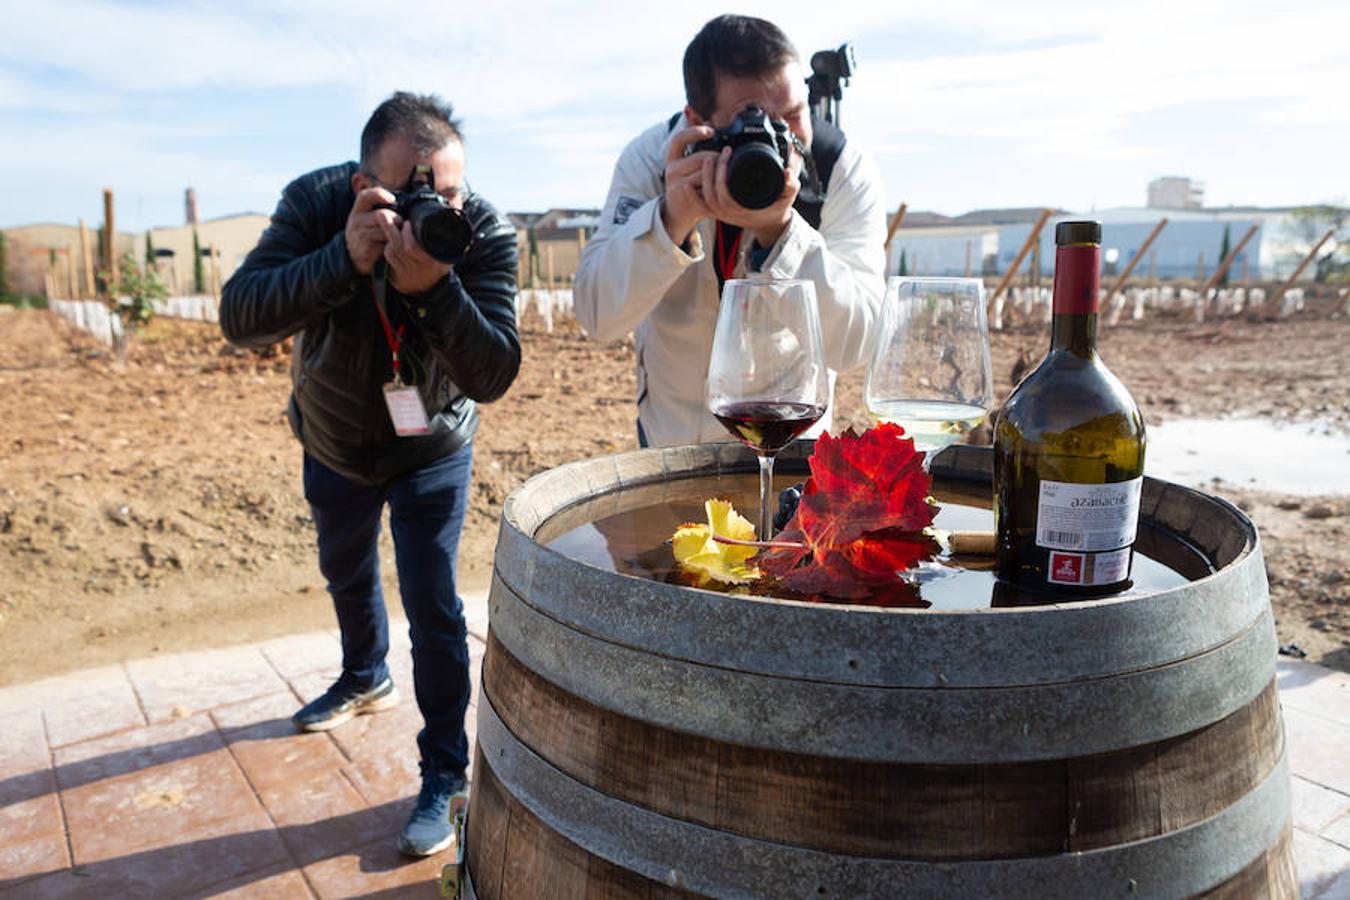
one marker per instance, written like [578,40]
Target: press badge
[405,409]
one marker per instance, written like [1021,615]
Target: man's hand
[412,270]
[684,206]
[365,232]
[766,224]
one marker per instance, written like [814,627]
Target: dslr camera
[441,229]
[760,150]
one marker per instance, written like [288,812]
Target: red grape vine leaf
[861,517]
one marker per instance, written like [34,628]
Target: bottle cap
[1078,232]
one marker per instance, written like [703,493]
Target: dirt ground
[155,506]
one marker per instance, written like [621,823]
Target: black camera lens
[442,230]
[755,175]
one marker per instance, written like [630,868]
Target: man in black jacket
[392,351]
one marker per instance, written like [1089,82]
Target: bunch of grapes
[788,499]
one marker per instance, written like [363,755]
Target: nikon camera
[760,150]
[441,229]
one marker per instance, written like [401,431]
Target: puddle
[1305,458]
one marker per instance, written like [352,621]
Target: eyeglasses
[450,192]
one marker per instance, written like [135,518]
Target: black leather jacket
[459,346]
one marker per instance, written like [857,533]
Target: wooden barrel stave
[890,809]
[713,862]
[1271,874]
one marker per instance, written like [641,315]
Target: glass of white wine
[930,370]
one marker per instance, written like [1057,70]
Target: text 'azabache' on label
[1088,518]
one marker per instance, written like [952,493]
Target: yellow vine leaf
[697,552]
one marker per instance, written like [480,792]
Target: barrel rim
[850,643]
[738,461]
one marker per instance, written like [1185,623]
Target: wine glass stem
[766,496]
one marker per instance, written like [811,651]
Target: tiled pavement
[181,776]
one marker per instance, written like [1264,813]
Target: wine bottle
[1069,448]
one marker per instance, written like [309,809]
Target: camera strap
[394,339]
[812,191]
[827,144]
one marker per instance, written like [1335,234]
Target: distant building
[524,221]
[32,251]
[559,235]
[36,249]
[986,242]
[944,250]
[964,245]
[232,236]
[1171,192]
[559,222]
[1188,247]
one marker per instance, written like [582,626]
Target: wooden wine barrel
[641,739]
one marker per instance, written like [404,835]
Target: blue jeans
[426,514]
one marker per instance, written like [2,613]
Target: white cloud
[1085,93]
[1053,85]
[64,176]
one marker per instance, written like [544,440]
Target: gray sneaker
[431,827]
[342,702]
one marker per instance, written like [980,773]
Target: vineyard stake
[1223,266]
[890,232]
[87,254]
[110,243]
[1021,255]
[71,290]
[1139,254]
[1274,302]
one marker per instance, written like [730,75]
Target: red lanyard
[726,251]
[393,338]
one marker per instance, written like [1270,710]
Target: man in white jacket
[670,233]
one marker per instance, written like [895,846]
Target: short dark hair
[737,45]
[425,120]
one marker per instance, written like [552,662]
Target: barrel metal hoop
[696,858]
[911,725]
[886,648]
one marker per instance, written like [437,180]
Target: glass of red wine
[767,381]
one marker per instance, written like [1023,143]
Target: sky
[963,104]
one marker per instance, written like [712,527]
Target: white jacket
[632,277]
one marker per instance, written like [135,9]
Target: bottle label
[1087,518]
[1111,567]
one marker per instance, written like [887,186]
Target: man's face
[396,159]
[781,93]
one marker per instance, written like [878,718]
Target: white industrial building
[1171,192]
[1188,248]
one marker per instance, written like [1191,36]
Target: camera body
[760,150]
[442,230]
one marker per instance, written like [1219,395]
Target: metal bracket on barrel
[452,873]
